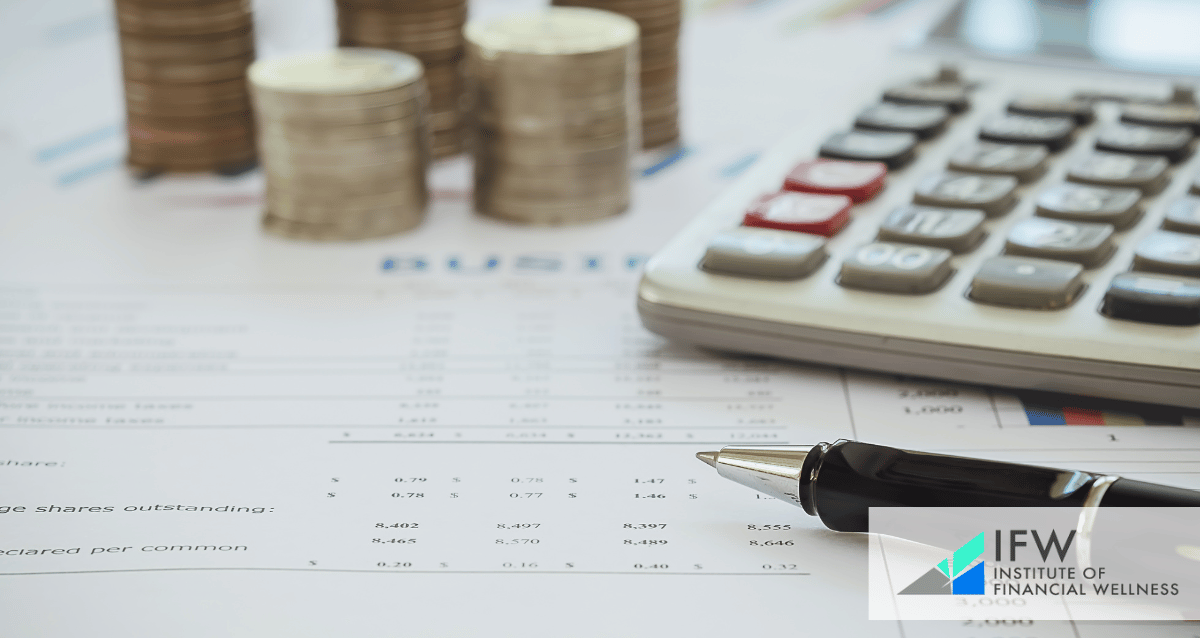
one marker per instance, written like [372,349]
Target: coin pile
[430,30]
[659,21]
[554,119]
[187,105]
[343,142]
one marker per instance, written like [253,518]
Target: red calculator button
[860,181]
[800,212]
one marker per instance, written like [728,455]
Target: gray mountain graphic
[933,582]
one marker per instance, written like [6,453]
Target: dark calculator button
[1026,162]
[1076,202]
[1168,252]
[896,268]
[951,95]
[1173,143]
[1026,282]
[1162,299]
[1055,133]
[1183,216]
[1086,244]
[893,149]
[1081,111]
[1147,173]
[1169,114]
[764,253]
[860,181]
[992,194]
[956,229]
[821,215]
[923,121]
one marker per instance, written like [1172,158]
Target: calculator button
[1055,133]
[1076,202]
[1172,253]
[951,95]
[1026,162]
[923,121]
[957,230]
[1079,110]
[860,181]
[993,194]
[800,212]
[891,267]
[1146,173]
[764,253]
[893,149]
[1163,299]
[1169,114]
[1086,244]
[1183,216]
[1172,143]
[1027,282]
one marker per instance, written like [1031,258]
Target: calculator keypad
[958,230]
[923,121]
[860,181]
[992,194]
[1076,202]
[1025,162]
[1161,299]
[1086,244]
[1145,173]
[900,268]
[1170,114]
[1168,252]
[1080,110]
[821,215]
[1027,282]
[952,95]
[764,253]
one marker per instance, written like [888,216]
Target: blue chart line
[84,172]
[667,162]
[739,166]
[52,153]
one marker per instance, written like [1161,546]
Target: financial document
[462,431]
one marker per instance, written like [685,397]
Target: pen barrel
[853,477]
[1130,493]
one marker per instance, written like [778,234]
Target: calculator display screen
[1142,36]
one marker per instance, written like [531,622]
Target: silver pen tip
[708,457]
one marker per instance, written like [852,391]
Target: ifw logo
[955,575]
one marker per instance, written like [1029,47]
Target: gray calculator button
[1055,133]
[1167,252]
[1183,216]
[1086,244]
[955,229]
[952,95]
[1171,142]
[1080,110]
[1169,114]
[896,268]
[1027,282]
[893,149]
[1026,162]
[1076,202]
[993,194]
[764,253]
[923,121]
[1146,173]
[1161,299]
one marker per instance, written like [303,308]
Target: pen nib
[708,457]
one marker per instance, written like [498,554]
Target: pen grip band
[853,477]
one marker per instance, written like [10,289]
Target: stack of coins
[343,142]
[186,100]
[659,21]
[430,30]
[554,118]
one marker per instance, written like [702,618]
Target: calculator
[989,223]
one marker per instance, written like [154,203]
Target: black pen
[840,481]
